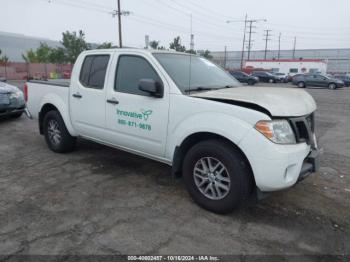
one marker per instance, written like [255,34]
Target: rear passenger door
[136,120]
[87,96]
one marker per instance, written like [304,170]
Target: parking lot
[99,200]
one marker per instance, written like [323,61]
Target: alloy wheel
[54,132]
[211,178]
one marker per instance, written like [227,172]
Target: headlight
[278,131]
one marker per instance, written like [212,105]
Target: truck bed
[38,91]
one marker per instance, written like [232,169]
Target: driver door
[135,119]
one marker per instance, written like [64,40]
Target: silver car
[11,100]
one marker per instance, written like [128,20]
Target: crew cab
[226,141]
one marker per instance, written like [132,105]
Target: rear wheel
[332,86]
[217,176]
[271,81]
[56,134]
[301,84]
[251,82]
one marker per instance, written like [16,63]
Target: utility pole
[279,46]
[251,23]
[294,46]
[251,26]
[250,38]
[245,29]
[244,36]
[119,13]
[120,25]
[266,40]
[225,58]
[192,36]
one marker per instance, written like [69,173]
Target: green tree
[43,53]
[57,55]
[30,56]
[4,60]
[207,54]
[154,44]
[176,45]
[74,43]
[191,51]
[105,45]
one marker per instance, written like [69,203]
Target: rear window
[93,71]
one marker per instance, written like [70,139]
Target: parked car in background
[244,77]
[11,101]
[344,78]
[2,79]
[281,77]
[265,77]
[317,80]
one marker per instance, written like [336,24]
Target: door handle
[113,101]
[77,95]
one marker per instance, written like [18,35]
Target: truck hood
[285,102]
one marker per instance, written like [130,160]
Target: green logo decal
[135,119]
[146,114]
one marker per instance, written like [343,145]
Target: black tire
[251,82]
[332,86]
[301,84]
[17,115]
[67,142]
[241,182]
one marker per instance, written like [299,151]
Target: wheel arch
[43,111]
[195,138]
[49,106]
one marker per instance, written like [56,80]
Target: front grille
[304,129]
[4,99]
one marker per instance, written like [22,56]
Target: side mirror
[154,88]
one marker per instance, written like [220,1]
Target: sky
[314,23]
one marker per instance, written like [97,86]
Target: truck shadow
[111,161]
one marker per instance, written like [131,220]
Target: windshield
[204,75]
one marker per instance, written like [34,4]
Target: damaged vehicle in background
[12,102]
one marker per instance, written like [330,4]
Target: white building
[289,66]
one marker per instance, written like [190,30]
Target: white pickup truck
[226,140]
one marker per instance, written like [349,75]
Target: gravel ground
[98,200]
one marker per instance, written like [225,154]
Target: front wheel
[217,176]
[271,81]
[332,86]
[56,134]
[301,85]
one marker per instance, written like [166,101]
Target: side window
[93,71]
[130,70]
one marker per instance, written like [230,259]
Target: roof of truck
[148,51]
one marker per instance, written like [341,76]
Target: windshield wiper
[199,88]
